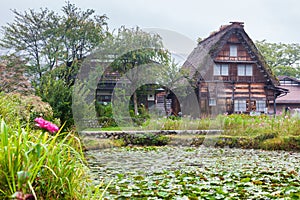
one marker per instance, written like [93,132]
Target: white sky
[273,20]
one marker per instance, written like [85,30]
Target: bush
[142,116]
[59,95]
[105,115]
[15,107]
[145,139]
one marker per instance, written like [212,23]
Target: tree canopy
[47,39]
[51,47]
[284,59]
[12,78]
[135,48]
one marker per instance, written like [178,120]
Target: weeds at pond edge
[263,141]
[39,165]
[240,131]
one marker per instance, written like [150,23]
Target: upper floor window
[233,51]
[245,70]
[221,70]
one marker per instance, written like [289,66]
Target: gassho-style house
[228,73]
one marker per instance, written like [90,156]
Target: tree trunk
[165,101]
[135,103]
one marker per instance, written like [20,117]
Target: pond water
[209,172]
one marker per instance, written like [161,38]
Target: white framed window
[233,51]
[221,69]
[245,70]
[240,106]
[212,102]
[261,105]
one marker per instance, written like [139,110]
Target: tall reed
[35,163]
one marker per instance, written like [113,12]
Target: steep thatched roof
[206,51]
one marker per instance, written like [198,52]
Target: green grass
[104,129]
[236,124]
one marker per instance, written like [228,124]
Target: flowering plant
[46,125]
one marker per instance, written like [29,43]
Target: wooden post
[199,98]
[233,92]
[274,104]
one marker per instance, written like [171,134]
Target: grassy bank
[265,142]
[239,131]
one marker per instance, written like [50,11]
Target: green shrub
[105,122]
[59,95]
[104,110]
[142,116]
[145,139]
[15,107]
[105,115]
[266,136]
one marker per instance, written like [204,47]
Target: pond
[174,172]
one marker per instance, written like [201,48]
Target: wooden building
[230,74]
[291,101]
[150,96]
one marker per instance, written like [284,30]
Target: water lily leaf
[147,193]
[162,194]
[138,178]
[244,180]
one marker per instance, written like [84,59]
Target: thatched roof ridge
[212,45]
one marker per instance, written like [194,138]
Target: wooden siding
[242,52]
[226,93]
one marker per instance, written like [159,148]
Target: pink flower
[46,125]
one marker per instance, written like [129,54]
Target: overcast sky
[273,20]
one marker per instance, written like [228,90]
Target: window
[221,70]
[212,102]
[260,105]
[240,105]
[245,70]
[233,51]
[288,82]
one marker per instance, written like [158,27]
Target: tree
[48,39]
[284,59]
[25,36]
[81,33]
[54,46]
[12,77]
[135,48]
